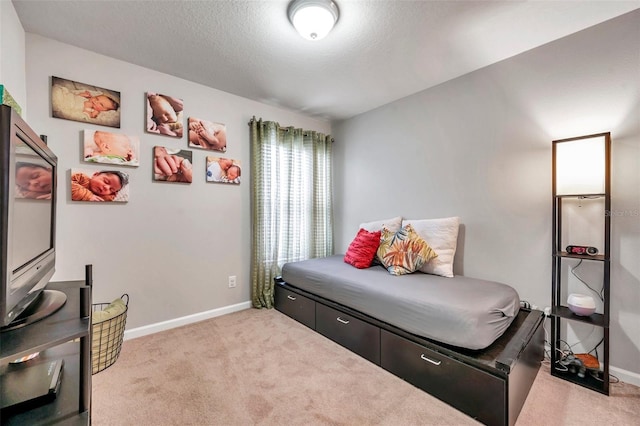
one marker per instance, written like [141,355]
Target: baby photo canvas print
[225,170]
[99,185]
[111,148]
[206,134]
[172,165]
[164,115]
[71,100]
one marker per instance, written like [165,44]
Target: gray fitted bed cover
[460,311]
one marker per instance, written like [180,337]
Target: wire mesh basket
[107,334]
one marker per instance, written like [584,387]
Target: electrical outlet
[232,281]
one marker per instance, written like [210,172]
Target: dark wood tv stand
[64,334]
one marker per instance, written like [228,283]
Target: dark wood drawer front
[354,334]
[297,307]
[472,391]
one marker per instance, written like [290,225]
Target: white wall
[479,147]
[172,246]
[12,56]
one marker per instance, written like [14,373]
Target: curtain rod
[286,129]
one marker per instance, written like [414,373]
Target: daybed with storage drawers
[460,339]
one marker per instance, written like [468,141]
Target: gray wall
[479,147]
[172,246]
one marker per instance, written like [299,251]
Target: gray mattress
[465,312]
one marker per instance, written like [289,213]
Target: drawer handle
[342,321]
[430,360]
[290,297]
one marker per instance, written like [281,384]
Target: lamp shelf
[565,312]
[597,257]
[581,174]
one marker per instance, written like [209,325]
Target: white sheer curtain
[291,201]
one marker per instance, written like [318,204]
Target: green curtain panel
[291,201]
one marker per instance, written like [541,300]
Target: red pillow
[363,249]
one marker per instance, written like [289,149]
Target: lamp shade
[313,19]
[580,166]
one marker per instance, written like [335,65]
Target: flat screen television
[28,223]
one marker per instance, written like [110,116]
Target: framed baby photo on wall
[224,170]
[172,165]
[99,185]
[111,148]
[206,134]
[164,115]
[71,100]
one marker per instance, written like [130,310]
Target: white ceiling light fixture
[313,19]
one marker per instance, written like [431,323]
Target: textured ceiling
[379,51]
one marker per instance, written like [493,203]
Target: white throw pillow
[394,224]
[442,236]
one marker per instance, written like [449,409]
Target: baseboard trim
[625,375]
[189,319]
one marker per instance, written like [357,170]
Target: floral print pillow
[403,252]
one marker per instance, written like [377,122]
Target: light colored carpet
[259,367]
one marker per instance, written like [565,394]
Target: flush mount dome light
[313,19]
